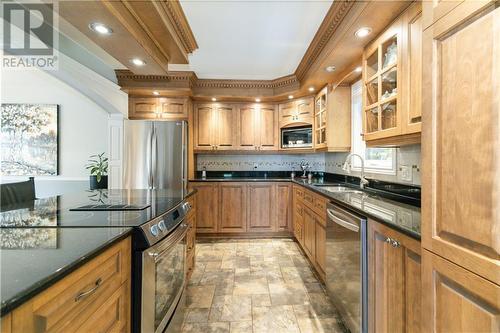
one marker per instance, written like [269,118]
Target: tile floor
[259,286]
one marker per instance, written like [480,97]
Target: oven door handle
[176,237]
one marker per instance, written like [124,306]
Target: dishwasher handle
[346,224]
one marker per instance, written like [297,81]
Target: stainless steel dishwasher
[346,266]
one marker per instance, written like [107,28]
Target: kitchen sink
[339,189]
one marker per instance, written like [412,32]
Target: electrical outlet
[405,173]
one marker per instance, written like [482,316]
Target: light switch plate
[405,173]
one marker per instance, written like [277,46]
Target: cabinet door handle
[88,292]
[395,243]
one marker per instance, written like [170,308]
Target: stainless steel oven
[160,280]
[163,280]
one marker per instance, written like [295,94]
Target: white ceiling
[255,40]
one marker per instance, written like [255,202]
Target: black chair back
[15,193]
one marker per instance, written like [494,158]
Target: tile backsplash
[408,156]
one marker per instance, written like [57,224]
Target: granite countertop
[43,241]
[400,216]
[55,211]
[32,259]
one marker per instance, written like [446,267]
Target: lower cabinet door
[394,265]
[261,207]
[309,233]
[457,300]
[320,245]
[207,206]
[233,207]
[284,209]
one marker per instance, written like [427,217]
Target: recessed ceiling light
[363,32]
[358,69]
[257,100]
[311,89]
[156,93]
[214,99]
[290,96]
[138,62]
[100,28]
[330,69]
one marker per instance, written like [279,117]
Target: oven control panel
[158,228]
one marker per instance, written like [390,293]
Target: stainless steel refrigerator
[155,155]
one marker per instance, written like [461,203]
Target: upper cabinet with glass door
[320,119]
[391,80]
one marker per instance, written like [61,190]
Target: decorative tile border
[320,162]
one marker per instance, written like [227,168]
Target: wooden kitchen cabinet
[233,207]
[298,221]
[394,281]
[284,206]
[207,206]
[457,300]
[333,124]
[191,236]
[60,308]
[320,245]
[392,83]
[460,220]
[310,226]
[261,207]
[215,125]
[243,207]
[258,128]
[166,108]
[296,113]
[309,234]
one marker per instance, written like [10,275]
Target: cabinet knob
[395,243]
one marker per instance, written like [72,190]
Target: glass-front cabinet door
[381,68]
[320,119]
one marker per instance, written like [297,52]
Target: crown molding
[336,14]
[173,11]
[175,80]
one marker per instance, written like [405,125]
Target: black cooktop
[57,211]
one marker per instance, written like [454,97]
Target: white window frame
[358,145]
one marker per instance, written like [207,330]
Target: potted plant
[98,166]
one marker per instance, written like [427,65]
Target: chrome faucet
[304,165]
[346,167]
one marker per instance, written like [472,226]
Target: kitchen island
[45,241]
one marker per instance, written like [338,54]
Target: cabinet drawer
[112,316]
[309,199]
[298,192]
[70,303]
[299,210]
[319,205]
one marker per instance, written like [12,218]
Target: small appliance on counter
[296,137]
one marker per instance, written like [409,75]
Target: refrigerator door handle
[154,155]
[149,157]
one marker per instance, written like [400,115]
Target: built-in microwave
[297,137]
